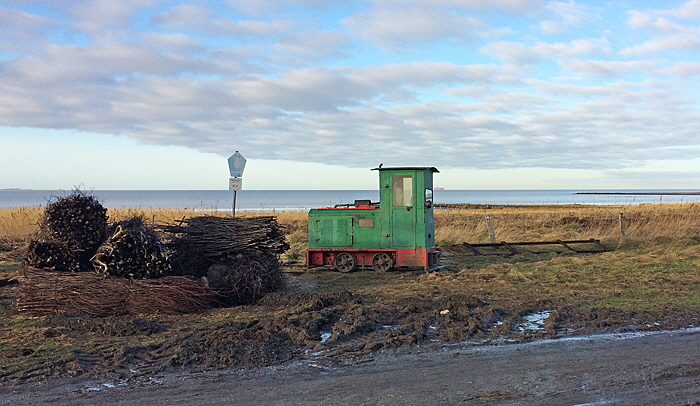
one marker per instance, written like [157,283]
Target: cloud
[671,43]
[311,47]
[21,28]
[682,69]
[203,21]
[104,19]
[566,14]
[689,10]
[285,84]
[489,5]
[403,25]
[260,7]
[519,54]
[669,35]
[109,12]
[336,110]
[402,28]
[609,69]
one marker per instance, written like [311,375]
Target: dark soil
[337,327]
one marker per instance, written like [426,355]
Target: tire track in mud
[140,361]
[649,368]
[326,328]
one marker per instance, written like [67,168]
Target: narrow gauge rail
[594,246]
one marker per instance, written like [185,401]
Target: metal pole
[233,207]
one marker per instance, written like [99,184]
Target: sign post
[236,164]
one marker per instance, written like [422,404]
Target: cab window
[402,186]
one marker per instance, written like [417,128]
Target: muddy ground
[657,368]
[319,321]
[339,327]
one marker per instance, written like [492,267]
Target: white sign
[236,164]
[235,184]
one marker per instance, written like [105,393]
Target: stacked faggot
[75,236]
[71,230]
[133,250]
[238,259]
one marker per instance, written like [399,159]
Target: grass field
[655,265]
[650,279]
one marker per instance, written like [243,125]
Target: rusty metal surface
[512,248]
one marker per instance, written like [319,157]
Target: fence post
[622,224]
[492,233]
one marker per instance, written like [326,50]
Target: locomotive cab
[397,232]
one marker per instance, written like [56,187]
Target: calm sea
[299,200]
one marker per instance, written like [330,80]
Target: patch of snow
[534,321]
[598,403]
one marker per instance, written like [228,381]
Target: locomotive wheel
[382,261]
[345,262]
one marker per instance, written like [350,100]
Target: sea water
[301,200]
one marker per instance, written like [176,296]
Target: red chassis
[349,259]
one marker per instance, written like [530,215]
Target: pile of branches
[208,259]
[133,250]
[43,292]
[245,280]
[52,254]
[239,257]
[199,242]
[70,231]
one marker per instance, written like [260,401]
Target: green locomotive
[397,232]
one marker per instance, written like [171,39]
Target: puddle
[103,386]
[534,321]
[598,403]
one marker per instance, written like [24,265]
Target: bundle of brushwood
[133,250]
[78,219]
[199,242]
[246,280]
[44,292]
[52,254]
[70,231]
[238,256]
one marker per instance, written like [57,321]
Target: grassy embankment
[657,264]
[655,268]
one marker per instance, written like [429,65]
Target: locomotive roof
[410,168]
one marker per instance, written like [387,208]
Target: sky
[497,94]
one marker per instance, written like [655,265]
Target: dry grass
[452,226]
[654,266]
[657,267]
[20,222]
[540,223]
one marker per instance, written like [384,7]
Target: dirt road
[660,368]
